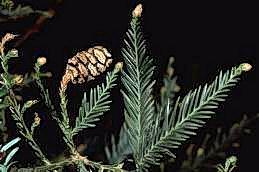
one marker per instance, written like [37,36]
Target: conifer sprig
[44,91]
[191,113]
[153,135]
[138,83]
[99,103]
[17,110]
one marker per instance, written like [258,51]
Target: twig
[64,124]
[70,161]
[17,112]
[17,115]
[44,92]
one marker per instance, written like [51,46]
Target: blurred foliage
[119,150]
[214,146]
[229,165]
[11,11]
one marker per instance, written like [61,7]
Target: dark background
[203,38]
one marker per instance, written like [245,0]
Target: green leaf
[3,91]
[3,106]
[9,144]
[10,156]
[138,87]
[91,111]
[28,104]
[187,116]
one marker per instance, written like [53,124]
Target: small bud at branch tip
[18,79]
[13,53]
[137,11]
[246,67]
[119,65]
[41,61]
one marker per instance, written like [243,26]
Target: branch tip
[137,11]
[246,67]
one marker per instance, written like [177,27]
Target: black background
[204,38]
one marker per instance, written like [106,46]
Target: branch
[15,108]
[76,159]
[190,114]
[99,103]
[138,87]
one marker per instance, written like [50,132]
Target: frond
[137,82]
[189,115]
[99,103]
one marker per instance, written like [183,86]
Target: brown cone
[86,65]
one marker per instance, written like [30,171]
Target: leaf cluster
[154,134]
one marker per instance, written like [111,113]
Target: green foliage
[9,80]
[18,110]
[98,104]
[152,130]
[7,163]
[44,92]
[139,102]
[3,106]
[64,123]
[188,115]
[13,11]
[170,87]
[154,135]
[213,148]
[12,82]
[229,165]
[6,4]
[89,112]
[119,150]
